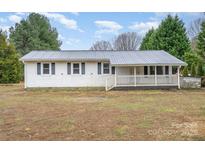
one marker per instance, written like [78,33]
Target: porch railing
[141,80]
[110,82]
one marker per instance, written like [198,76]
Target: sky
[78,30]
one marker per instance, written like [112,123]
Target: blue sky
[80,30]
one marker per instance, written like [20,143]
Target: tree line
[171,36]
[36,33]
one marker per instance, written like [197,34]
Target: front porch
[150,76]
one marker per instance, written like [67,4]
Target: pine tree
[185,71]
[201,41]
[171,36]
[148,40]
[9,61]
[199,71]
[193,70]
[190,58]
[34,33]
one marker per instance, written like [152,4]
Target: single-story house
[107,69]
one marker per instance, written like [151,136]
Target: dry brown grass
[99,115]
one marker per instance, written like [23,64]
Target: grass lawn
[99,115]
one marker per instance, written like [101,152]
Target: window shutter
[68,68]
[82,68]
[99,68]
[53,68]
[39,68]
[113,69]
[145,70]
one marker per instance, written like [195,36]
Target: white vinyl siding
[61,77]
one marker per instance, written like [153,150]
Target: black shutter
[145,70]
[113,69]
[53,68]
[82,68]
[99,68]
[39,68]
[68,68]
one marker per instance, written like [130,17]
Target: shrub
[199,71]
[185,71]
[193,70]
[203,81]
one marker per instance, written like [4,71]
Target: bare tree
[127,41]
[195,27]
[101,45]
[194,30]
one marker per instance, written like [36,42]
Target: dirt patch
[98,115]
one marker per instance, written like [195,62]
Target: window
[68,68]
[82,68]
[99,68]
[152,70]
[166,70]
[113,69]
[46,68]
[159,70]
[76,68]
[39,68]
[174,69]
[53,68]
[145,70]
[106,68]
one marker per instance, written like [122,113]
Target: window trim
[78,68]
[48,67]
[106,68]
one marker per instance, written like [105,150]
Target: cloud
[15,18]
[68,23]
[21,13]
[61,37]
[5,28]
[72,41]
[143,27]
[107,27]
[75,13]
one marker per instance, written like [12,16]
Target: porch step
[144,87]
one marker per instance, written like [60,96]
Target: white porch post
[178,76]
[25,75]
[115,76]
[155,75]
[135,76]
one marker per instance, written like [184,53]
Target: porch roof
[125,58]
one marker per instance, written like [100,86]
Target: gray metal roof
[151,57]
